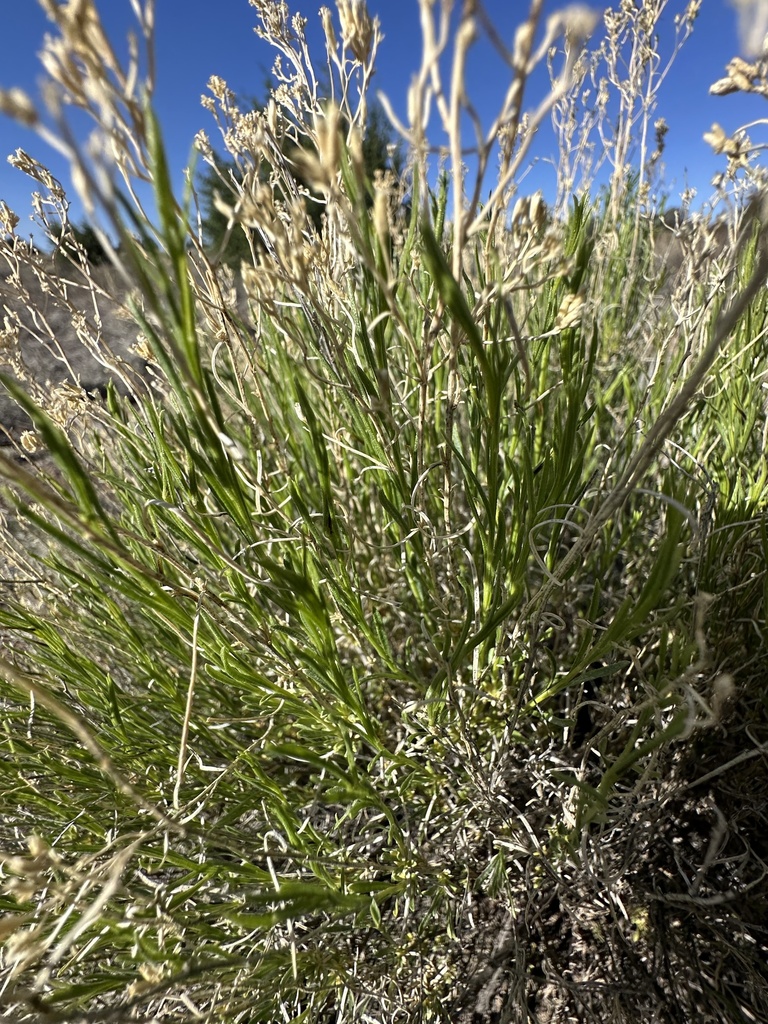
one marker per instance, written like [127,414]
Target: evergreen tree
[84,236]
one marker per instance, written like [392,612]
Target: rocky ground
[54,336]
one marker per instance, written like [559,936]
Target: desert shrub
[221,180]
[392,649]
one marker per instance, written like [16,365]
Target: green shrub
[394,650]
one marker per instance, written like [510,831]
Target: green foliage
[310,711]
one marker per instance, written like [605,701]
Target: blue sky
[197,38]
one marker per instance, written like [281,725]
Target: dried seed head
[12,923]
[716,138]
[271,117]
[8,219]
[41,859]
[275,18]
[203,145]
[24,162]
[569,313]
[723,87]
[691,12]
[320,169]
[16,104]
[143,349]
[66,403]
[298,24]
[331,41]
[355,149]
[248,134]
[579,21]
[742,74]
[529,214]
[30,442]
[221,91]
[735,147]
[358,31]
[9,341]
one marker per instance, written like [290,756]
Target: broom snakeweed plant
[392,647]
